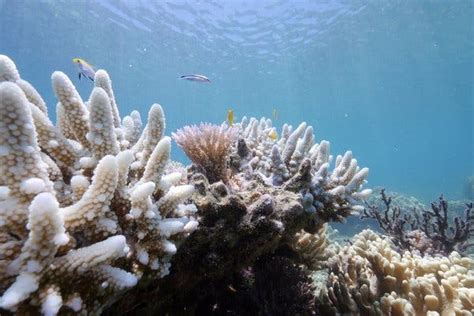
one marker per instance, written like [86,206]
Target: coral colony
[431,232]
[95,218]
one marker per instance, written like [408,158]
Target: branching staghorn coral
[78,227]
[296,163]
[424,230]
[208,146]
[369,277]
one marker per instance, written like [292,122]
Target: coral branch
[69,239]
[423,230]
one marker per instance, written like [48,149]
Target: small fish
[230,287]
[273,134]
[275,114]
[197,78]
[84,68]
[230,117]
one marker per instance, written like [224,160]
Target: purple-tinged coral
[208,146]
[446,236]
[426,231]
[295,162]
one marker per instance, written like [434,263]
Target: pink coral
[208,147]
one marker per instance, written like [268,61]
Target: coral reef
[369,277]
[95,218]
[86,208]
[426,231]
[269,197]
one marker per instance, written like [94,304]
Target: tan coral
[406,284]
[208,146]
[313,248]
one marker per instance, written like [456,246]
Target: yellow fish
[84,68]
[230,117]
[275,114]
[273,134]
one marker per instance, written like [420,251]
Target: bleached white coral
[75,112]
[157,162]
[53,142]
[151,135]
[296,163]
[8,71]
[132,126]
[20,160]
[32,95]
[69,204]
[101,127]
[88,214]
[102,80]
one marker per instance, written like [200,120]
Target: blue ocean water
[390,80]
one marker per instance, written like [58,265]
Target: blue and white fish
[84,68]
[197,78]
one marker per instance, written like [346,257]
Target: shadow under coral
[234,263]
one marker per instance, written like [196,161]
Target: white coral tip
[191,226]
[51,304]
[24,285]
[183,191]
[61,239]
[142,191]
[4,192]
[32,186]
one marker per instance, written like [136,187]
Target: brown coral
[208,147]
